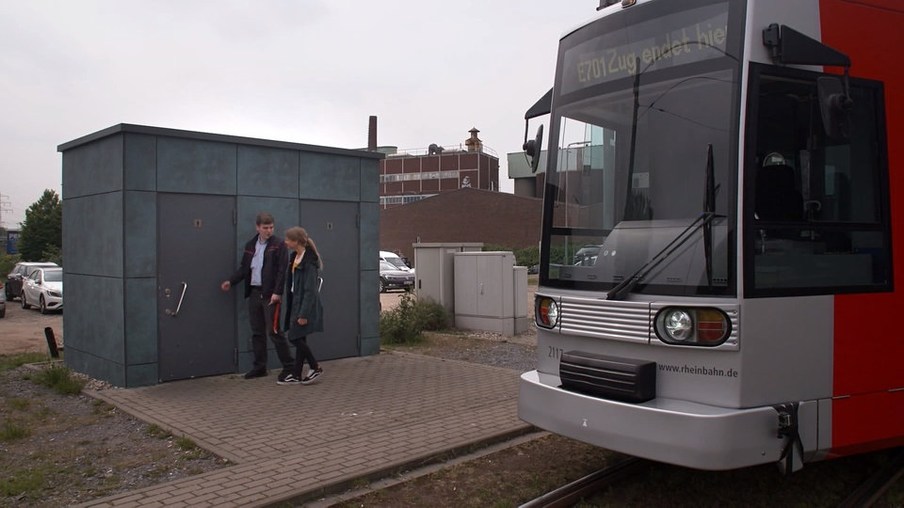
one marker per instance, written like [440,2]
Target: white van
[395,260]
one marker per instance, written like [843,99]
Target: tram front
[638,340]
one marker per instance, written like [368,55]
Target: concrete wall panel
[140,232]
[370,236]
[370,311]
[269,172]
[94,169]
[98,368]
[329,177]
[142,375]
[140,162]
[93,235]
[370,181]
[99,328]
[141,321]
[195,166]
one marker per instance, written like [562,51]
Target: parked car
[17,277]
[392,277]
[44,288]
[2,301]
[395,260]
[586,255]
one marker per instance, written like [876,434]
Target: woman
[303,310]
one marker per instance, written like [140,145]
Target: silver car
[16,278]
[44,288]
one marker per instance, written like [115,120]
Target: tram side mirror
[835,106]
[533,148]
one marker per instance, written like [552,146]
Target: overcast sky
[306,71]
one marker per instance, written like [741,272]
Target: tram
[721,248]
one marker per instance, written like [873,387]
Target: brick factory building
[462,215]
[409,176]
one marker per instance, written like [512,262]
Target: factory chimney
[372,134]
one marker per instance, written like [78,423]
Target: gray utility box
[434,267]
[155,219]
[490,292]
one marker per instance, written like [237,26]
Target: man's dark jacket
[273,272]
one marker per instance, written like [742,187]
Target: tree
[42,231]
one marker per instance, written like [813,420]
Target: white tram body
[737,167]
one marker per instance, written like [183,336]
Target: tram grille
[608,377]
[624,321]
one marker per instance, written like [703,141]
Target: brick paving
[365,418]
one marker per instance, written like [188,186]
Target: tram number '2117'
[555,352]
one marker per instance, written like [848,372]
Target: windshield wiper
[709,206]
[625,286]
[704,220]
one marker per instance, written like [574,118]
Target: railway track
[864,496]
[569,494]
[872,489]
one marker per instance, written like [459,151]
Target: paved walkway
[366,418]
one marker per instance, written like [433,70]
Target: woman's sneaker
[288,379]
[312,375]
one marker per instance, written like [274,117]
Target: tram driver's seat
[777,197]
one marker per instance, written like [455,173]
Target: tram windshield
[641,179]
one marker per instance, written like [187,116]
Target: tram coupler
[788,429]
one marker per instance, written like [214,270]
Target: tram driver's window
[819,222]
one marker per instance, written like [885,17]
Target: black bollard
[51,342]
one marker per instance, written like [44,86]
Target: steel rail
[568,495]
[872,489]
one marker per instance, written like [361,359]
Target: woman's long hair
[299,235]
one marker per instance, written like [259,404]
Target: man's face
[265,231]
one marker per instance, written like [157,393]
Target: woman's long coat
[302,296]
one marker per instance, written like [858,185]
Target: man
[263,269]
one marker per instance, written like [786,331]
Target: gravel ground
[60,450]
[516,353]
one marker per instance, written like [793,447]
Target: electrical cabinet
[490,292]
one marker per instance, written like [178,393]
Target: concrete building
[154,219]
[527,183]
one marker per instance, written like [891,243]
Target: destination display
[677,39]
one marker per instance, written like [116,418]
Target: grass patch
[22,482]
[155,430]
[102,408]
[60,380]
[18,403]
[406,323]
[190,450]
[10,431]
[10,362]
[185,444]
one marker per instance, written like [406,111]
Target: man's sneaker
[289,379]
[255,373]
[312,375]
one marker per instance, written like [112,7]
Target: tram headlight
[692,326]
[678,324]
[546,312]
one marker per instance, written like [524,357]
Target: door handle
[179,305]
